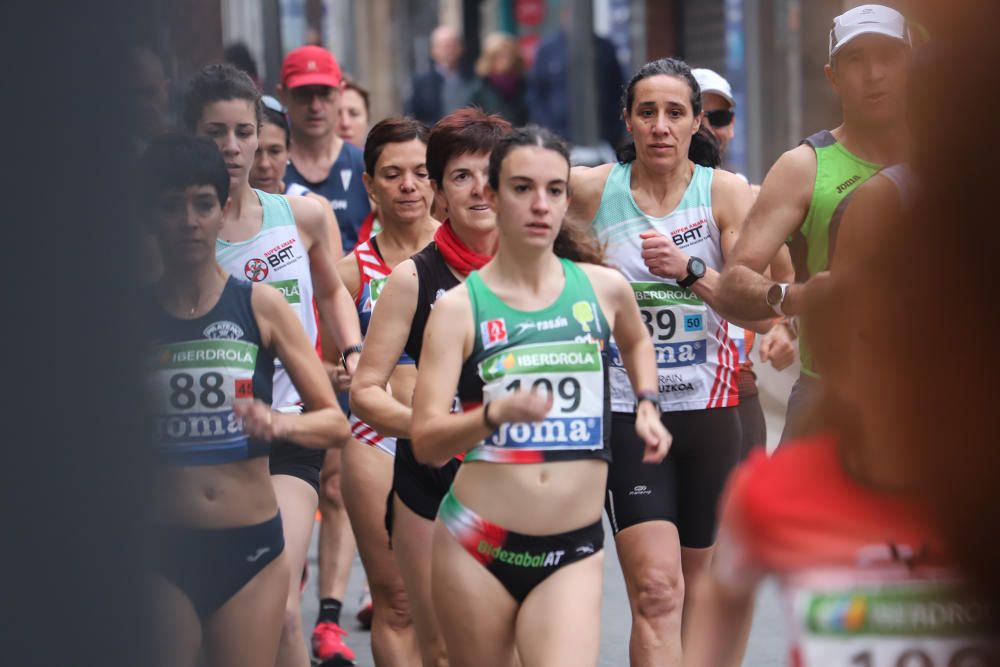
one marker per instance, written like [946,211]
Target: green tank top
[838,173]
[561,349]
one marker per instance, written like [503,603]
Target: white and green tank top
[561,350]
[695,357]
[277,256]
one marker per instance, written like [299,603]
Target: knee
[659,593]
[394,607]
[330,489]
[291,629]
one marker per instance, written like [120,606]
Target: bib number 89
[665,320]
[184,397]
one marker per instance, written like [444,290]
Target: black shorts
[752,423]
[287,458]
[519,562]
[685,487]
[211,566]
[420,487]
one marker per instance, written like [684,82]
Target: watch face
[697,267]
[774,295]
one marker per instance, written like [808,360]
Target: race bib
[676,321]
[195,384]
[900,625]
[572,372]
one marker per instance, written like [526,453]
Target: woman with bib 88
[521,524]
[668,217]
[222,574]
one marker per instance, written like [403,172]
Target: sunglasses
[272,103]
[720,117]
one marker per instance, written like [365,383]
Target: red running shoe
[329,647]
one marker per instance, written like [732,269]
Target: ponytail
[577,246]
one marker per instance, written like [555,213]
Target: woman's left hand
[260,422]
[652,432]
[662,256]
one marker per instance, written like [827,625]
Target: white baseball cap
[867,20]
[711,81]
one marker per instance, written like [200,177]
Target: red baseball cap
[310,66]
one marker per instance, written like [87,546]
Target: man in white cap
[802,198]
[717,104]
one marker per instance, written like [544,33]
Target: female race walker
[287,243]
[397,180]
[458,156]
[667,223]
[222,571]
[528,338]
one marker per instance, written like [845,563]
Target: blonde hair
[492,47]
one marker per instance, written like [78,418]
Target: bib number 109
[567,389]
[966,657]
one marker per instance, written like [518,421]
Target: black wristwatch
[354,349]
[696,271]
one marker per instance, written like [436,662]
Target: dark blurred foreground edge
[74,483]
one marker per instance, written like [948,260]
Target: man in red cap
[324,163]
[318,158]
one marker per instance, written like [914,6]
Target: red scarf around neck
[458,255]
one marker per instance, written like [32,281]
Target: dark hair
[468,130]
[278,120]
[180,161]
[238,55]
[571,243]
[703,150]
[216,83]
[392,130]
[351,84]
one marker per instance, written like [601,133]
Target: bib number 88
[184,397]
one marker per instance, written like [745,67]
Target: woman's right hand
[521,406]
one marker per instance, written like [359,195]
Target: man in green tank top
[804,194]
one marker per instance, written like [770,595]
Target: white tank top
[695,357]
[277,256]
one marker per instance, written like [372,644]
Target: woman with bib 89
[521,524]
[667,219]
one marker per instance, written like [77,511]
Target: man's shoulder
[350,157]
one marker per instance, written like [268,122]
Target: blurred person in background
[354,113]
[444,87]
[501,86]
[238,55]
[549,101]
[150,96]
[802,198]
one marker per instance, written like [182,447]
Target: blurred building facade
[772,51]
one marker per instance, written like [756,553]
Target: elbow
[423,449]
[342,432]
[356,402]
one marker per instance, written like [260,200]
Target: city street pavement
[768,638]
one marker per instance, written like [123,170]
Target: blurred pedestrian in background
[501,87]
[549,99]
[444,87]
